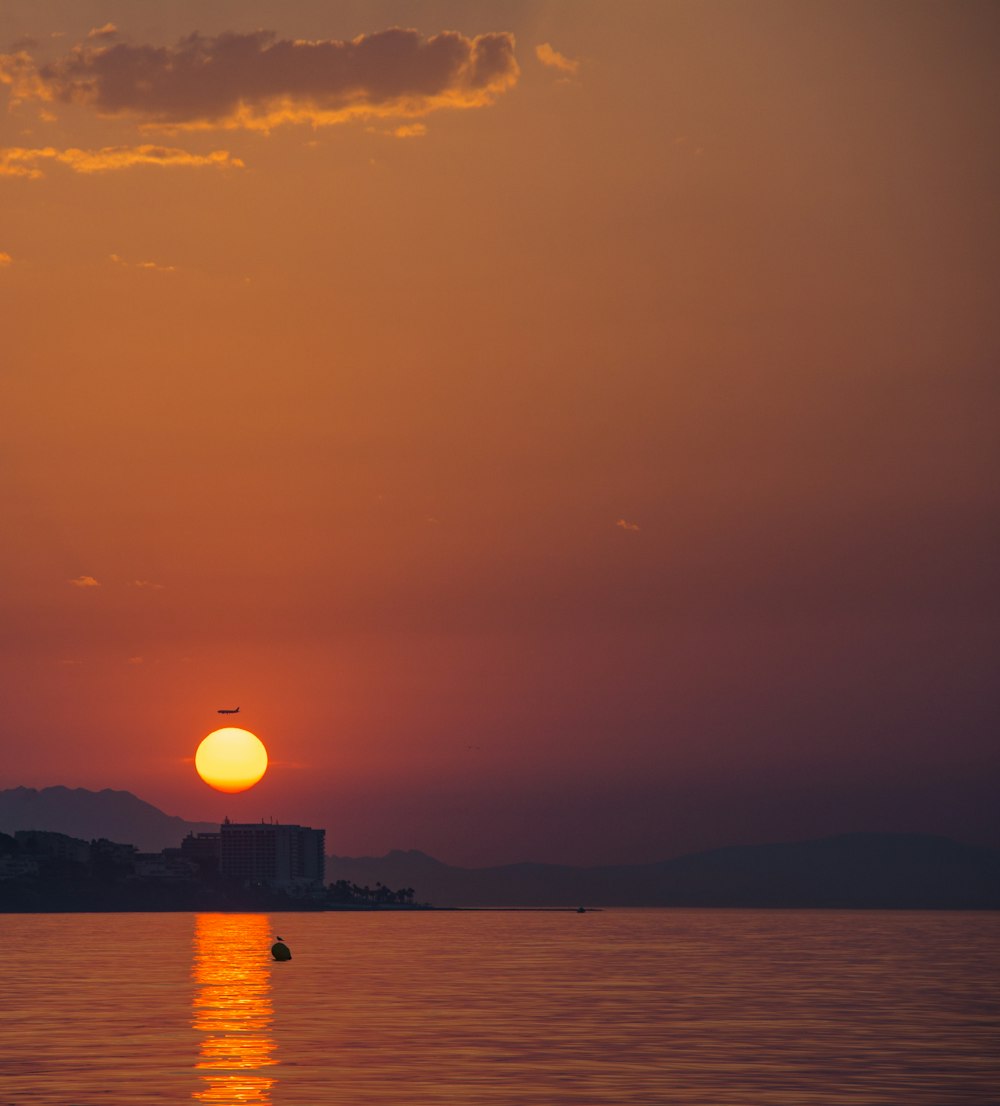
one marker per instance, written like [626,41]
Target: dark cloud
[257,80]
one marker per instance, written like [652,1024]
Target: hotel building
[273,854]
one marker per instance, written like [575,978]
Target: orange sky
[568,430]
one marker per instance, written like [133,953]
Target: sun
[231,759]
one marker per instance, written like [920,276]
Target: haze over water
[685,1007]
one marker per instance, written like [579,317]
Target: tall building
[271,853]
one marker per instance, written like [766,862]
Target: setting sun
[231,759]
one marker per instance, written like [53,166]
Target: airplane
[236,710]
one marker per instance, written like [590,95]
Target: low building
[48,843]
[17,866]
[269,853]
[204,848]
[167,867]
[115,853]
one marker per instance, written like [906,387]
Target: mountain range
[116,815]
[858,870]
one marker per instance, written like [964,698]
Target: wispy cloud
[135,660]
[85,582]
[108,31]
[624,525]
[17,161]
[151,266]
[258,81]
[554,60]
[5,259]
[410,130]
[147,585]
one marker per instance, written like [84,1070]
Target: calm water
[687,1007]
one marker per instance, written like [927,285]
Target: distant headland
[73,849]
[236,867]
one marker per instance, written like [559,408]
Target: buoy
[280,951]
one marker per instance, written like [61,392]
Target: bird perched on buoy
[280,951]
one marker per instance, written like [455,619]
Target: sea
[503,1008]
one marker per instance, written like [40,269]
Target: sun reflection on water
[232,1008]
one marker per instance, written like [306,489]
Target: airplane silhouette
[236,710]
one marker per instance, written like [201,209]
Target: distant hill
[116,815]
[860,871]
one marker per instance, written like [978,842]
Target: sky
[567,430]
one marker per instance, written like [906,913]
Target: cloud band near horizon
[257,81]
[18,161]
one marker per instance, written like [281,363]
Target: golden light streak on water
[232,1009]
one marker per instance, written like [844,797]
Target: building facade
[203,848]
[272,854]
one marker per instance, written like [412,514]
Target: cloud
[554,60]
[5,259]
[19,72]
[17,161]
[152,266]
[135,660]
[257,81]
[85,582]
[147,585]
[410,130]
[622,524]
[108,31]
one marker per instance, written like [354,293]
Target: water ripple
[646,1008]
